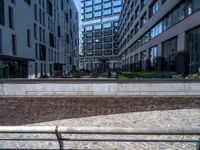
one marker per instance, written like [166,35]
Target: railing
[58,131]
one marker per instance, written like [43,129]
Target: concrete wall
[94,87]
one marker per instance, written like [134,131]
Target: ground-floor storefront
[13,67]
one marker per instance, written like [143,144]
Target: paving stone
[185,118]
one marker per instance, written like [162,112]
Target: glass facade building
[164,33]
[100,28]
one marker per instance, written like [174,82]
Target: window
[143,19]
[89,47]
[107,52]
[107,25]
[153,53]
[98,33]
[88,3]
[42,49]
[90,53]
[98,26]
[88,41]
[35,12]
[107,32]
[193,47]
[97,1]
[97,14]
[36,50]
[137,27]
[28,32]
[14,44]
[88,9]
[89,34]
[98,46]
[28,1]
[11,18]
[156,30]
[169,50]
[108,39]
[107,12]
[117,9]
[117,3]
[98,53]
[153,8]
[51,40]
[2,14]
[49,8]
[143,58]
[1,41]
[98,40]
[143,3]
[107,5]
[88,16]
[97,7]
[107,45]
[35,31]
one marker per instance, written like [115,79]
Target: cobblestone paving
[171,118]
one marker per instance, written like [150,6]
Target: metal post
[59,137]
[198,145]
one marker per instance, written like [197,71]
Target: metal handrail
[59,130]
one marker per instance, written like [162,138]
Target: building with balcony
[100,34]
[160,35]
[38,38]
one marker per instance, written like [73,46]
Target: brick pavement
[166,118]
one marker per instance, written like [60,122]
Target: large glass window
[153,8]
[108,52]
[107,12]
[98,46]
[2,13]
[143,57]
[98,53]
[97,1]
[97,26]
[153,53]
[107,5]
[89,46]
[88,3]
[89,34]
[107,45]
[117,9]
[193,47]
[107,25]
[108,39]
[88,16]
[117,3]
[98,40]
[88,9]
[89,28]
[156,30]
[98,33]
[169,50]
[89,40]
[0,41]
[97,13]
[97,7]
[107,32]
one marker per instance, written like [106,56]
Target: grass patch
[138,75]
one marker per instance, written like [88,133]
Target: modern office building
[100,34]
[160,35]
[38,38]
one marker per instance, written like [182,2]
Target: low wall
[27,110]
[96,87]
